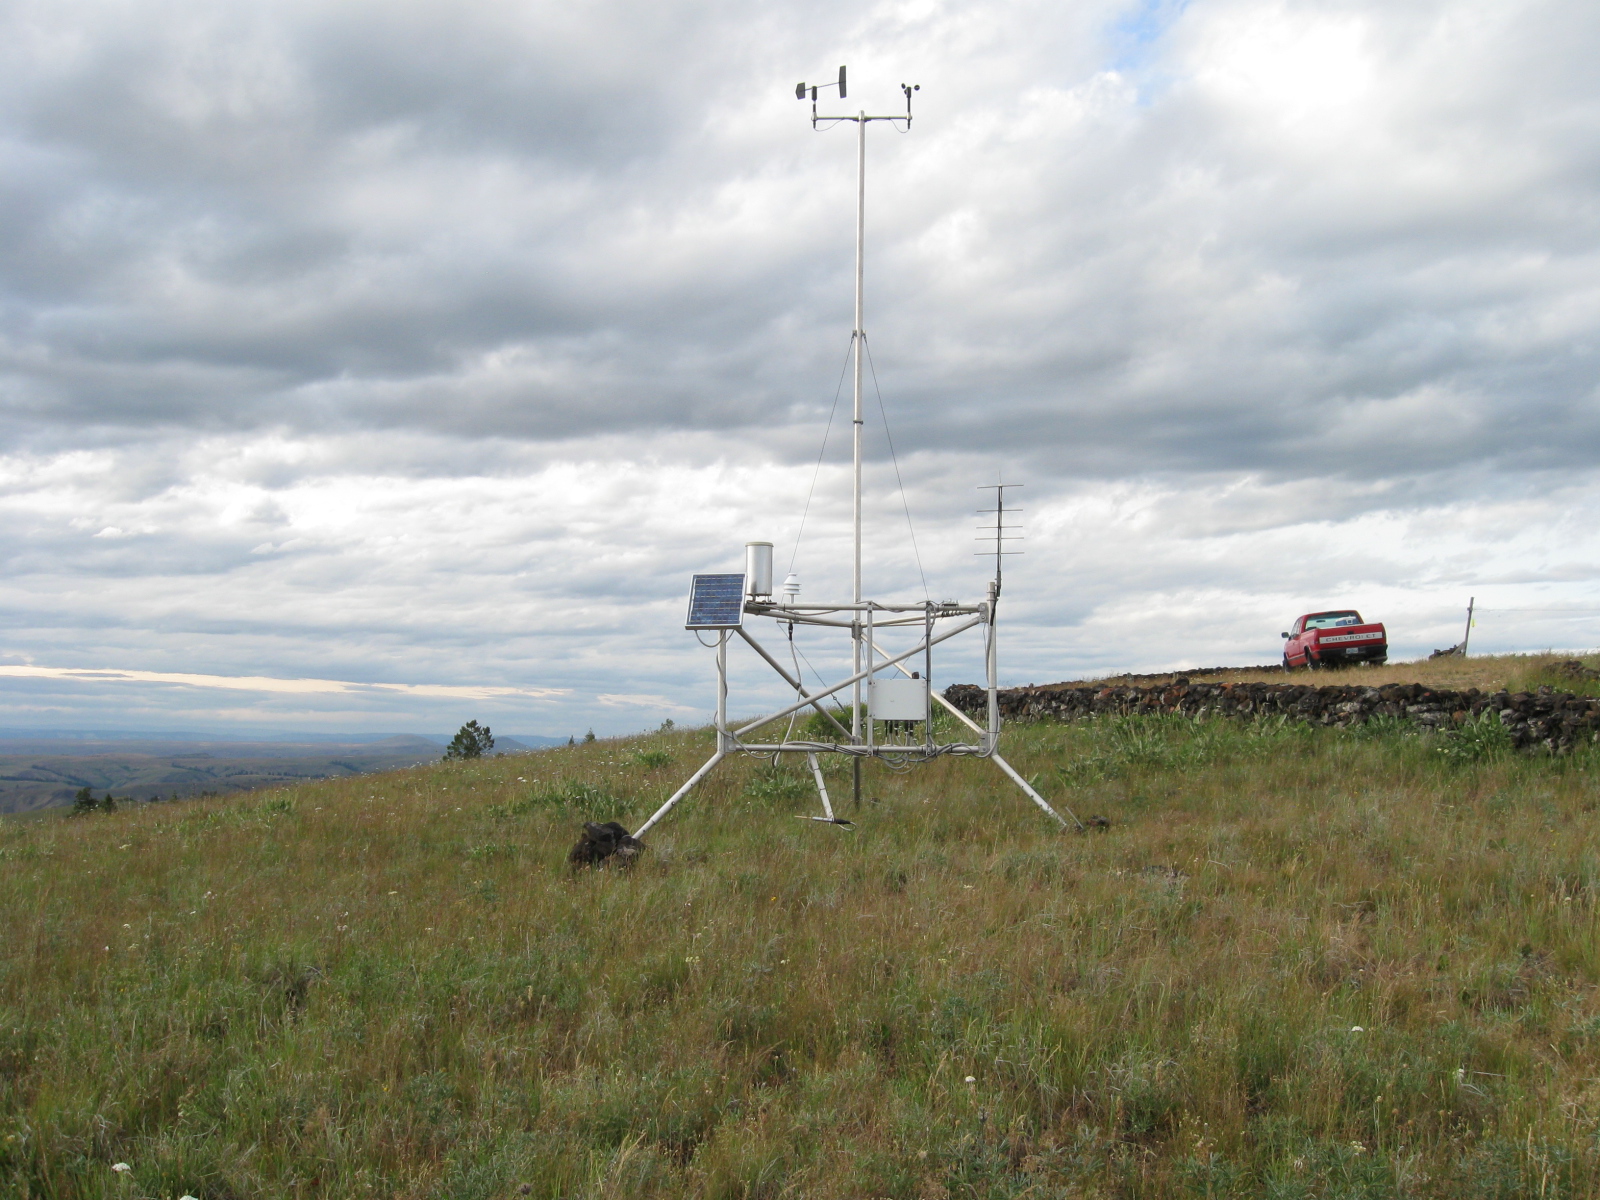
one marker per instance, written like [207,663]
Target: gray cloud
[482,222]
[439,343]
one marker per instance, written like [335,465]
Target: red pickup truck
[1334,639]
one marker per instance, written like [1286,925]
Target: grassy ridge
[1513,672]
[1301,963]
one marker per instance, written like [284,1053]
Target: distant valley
[43,769]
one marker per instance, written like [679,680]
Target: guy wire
[894,458]
[837,391]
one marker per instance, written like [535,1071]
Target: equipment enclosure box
[898,699]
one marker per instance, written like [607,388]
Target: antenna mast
[999,532]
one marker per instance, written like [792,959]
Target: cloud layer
[434,344]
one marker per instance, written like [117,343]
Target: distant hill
[19,739]
[44,769]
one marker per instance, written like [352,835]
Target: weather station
[889,713]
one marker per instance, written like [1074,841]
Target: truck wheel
[1311,663]
[1286,667]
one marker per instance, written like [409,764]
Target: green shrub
[773,784]
[1482,738]
[586,800]
[817,728]
[1379,727]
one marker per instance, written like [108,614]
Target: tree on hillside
[84,802]
[471,741]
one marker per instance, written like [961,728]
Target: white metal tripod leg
[1033,795]
[822,787]
[680,793]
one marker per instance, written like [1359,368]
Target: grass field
[1301,963]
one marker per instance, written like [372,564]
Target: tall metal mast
[858,342]
[858,339]
[860,335]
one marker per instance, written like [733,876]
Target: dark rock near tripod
[1548,720]
[604,845]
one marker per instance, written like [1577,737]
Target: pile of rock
[604,845]
[1554,721]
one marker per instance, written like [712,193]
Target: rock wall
[1554,721]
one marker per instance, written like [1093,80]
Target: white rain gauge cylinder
[758,568]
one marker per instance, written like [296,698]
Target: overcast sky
[436,345]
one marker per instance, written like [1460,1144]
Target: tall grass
[1300,963]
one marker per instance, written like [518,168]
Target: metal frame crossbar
[860,740]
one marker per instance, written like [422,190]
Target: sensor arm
[801,90]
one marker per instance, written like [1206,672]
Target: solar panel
[716,602]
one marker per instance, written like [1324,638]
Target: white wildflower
[121,1168]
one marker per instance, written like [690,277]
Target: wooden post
[1467,636]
